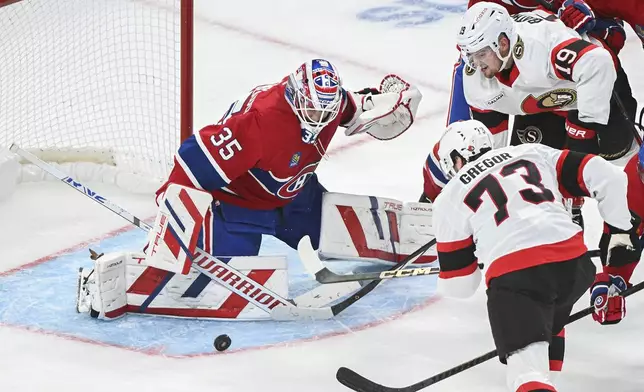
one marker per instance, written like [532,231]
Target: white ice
[247,42]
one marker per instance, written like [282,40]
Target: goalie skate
[83,298]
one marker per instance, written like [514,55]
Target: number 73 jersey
[553,70]
[506,209]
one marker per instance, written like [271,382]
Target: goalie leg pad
[102,290]
[123,283]
[374,228]
[174,235]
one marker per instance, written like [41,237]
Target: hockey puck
[222,342]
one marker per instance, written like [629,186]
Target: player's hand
[577,15]
[612,32]
[610,307]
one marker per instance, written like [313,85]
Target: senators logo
[553,100]
[518,49]
[292,187]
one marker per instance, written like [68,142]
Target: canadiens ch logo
[291,188]
[295,159]
[552,100]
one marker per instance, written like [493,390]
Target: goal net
[103,81]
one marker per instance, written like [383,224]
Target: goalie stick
[356,382]
[260,296]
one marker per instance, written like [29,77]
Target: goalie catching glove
[387,112]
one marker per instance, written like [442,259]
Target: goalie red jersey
[255,157]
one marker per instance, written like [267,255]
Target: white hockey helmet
[480,29]
[466,139]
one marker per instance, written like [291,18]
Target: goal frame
[186,63]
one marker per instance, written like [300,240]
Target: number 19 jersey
[506,209]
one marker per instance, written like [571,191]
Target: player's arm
[630,11]
[217,154]
[588,175]
[459,110]
[593,71]
[592,176]
[459,276]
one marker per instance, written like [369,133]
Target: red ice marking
[75,248]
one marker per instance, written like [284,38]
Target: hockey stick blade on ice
[326,276]
[279,309]
[356,382]
[366,289]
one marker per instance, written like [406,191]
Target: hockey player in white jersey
[532,64]
[502,207]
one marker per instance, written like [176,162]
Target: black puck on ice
[222,342]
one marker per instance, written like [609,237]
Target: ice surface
[46,228]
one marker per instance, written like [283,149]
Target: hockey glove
[612,32]
[577,15]
[610,307]
[387,112]
[582,136]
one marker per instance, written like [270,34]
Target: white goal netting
[99,76]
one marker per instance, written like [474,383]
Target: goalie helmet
[314,92]
[466,139]
[480,29]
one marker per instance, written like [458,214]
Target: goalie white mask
[466,139]
[479,33]
[314,92]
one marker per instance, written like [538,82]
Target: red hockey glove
[582,136]
[612,32]
[610,307]
[577,15]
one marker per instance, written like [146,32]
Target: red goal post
[106,82]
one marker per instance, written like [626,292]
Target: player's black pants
[533,304]
[612,141]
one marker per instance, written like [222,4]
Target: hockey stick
[366,289]
[354,381]
[325,276]
[258,295]
[314,265]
